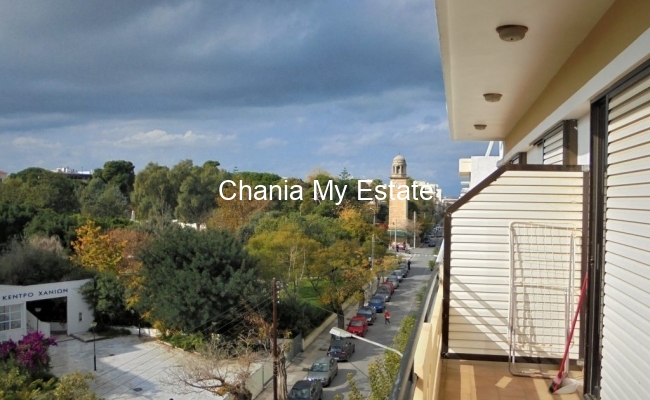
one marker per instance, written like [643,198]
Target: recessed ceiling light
[512,33]
[492,97]
[480,127]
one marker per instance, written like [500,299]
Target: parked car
[390,286]
[323,370]
[306,390]
[398,273]
[369,313]
[358,326]
[394,280]
[383,291]
[378,303]
[405,270]
[342,350]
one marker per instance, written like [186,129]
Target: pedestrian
[408,264]
[386,317]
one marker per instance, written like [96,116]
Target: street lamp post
[372,251]
[342,333]
[93,325]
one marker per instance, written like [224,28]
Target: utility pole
[275,339]
[415,226]
[395,229]
[372,250]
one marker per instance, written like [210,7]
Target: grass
[307,293]
[420,294]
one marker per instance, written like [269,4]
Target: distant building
[3,175]
[474,170]
[433,188]
[74,174]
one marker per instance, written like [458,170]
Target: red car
[358,325]
[390,286]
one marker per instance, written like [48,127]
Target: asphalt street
[402,302]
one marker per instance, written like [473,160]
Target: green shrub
[185,341]
[300,317]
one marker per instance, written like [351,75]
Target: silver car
[324,370]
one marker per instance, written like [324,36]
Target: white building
[16,321]
[433,188]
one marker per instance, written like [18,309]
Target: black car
[369,313]
[306,390]
[342,350]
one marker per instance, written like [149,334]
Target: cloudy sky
[280,86]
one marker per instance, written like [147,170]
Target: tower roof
[399,159]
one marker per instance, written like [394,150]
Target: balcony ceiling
[476,61]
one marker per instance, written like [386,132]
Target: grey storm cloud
[268,85]
[161,57]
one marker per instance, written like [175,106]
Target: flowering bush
[30,352]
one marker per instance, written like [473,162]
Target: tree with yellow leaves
[339,273]
[95,250]
[232,214]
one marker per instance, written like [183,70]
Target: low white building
[16,321]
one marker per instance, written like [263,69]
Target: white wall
[584,125]
[22,294]
[535,155]
[482,167]
[480,256]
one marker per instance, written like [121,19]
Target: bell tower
[398,208]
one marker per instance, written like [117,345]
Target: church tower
[398,209]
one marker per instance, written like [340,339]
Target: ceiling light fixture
[480,127]
[492,97]
[512,33]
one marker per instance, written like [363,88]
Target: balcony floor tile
[485,380]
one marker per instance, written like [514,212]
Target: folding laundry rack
[542,291]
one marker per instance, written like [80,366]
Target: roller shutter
[554,147]
[626,296]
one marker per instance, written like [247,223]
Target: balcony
[509,285]
[465,167]
[485,380]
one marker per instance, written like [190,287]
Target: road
[402,302]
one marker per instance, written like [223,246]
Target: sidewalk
[297,370]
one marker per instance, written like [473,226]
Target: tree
[153,193]
[97,251]
[191,276]
[41,189]
[128,268]
[338,274]
[37,260]
[108,297]
[101,200]
[219,368]
[50,223]
[232,214]
[120,174]
[285,253]
[345,175]
[13,219]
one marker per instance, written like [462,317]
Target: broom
[557,381]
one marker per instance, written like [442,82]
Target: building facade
[566,87]
[398,207]
[23,309]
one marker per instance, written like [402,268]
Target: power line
[149,351]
